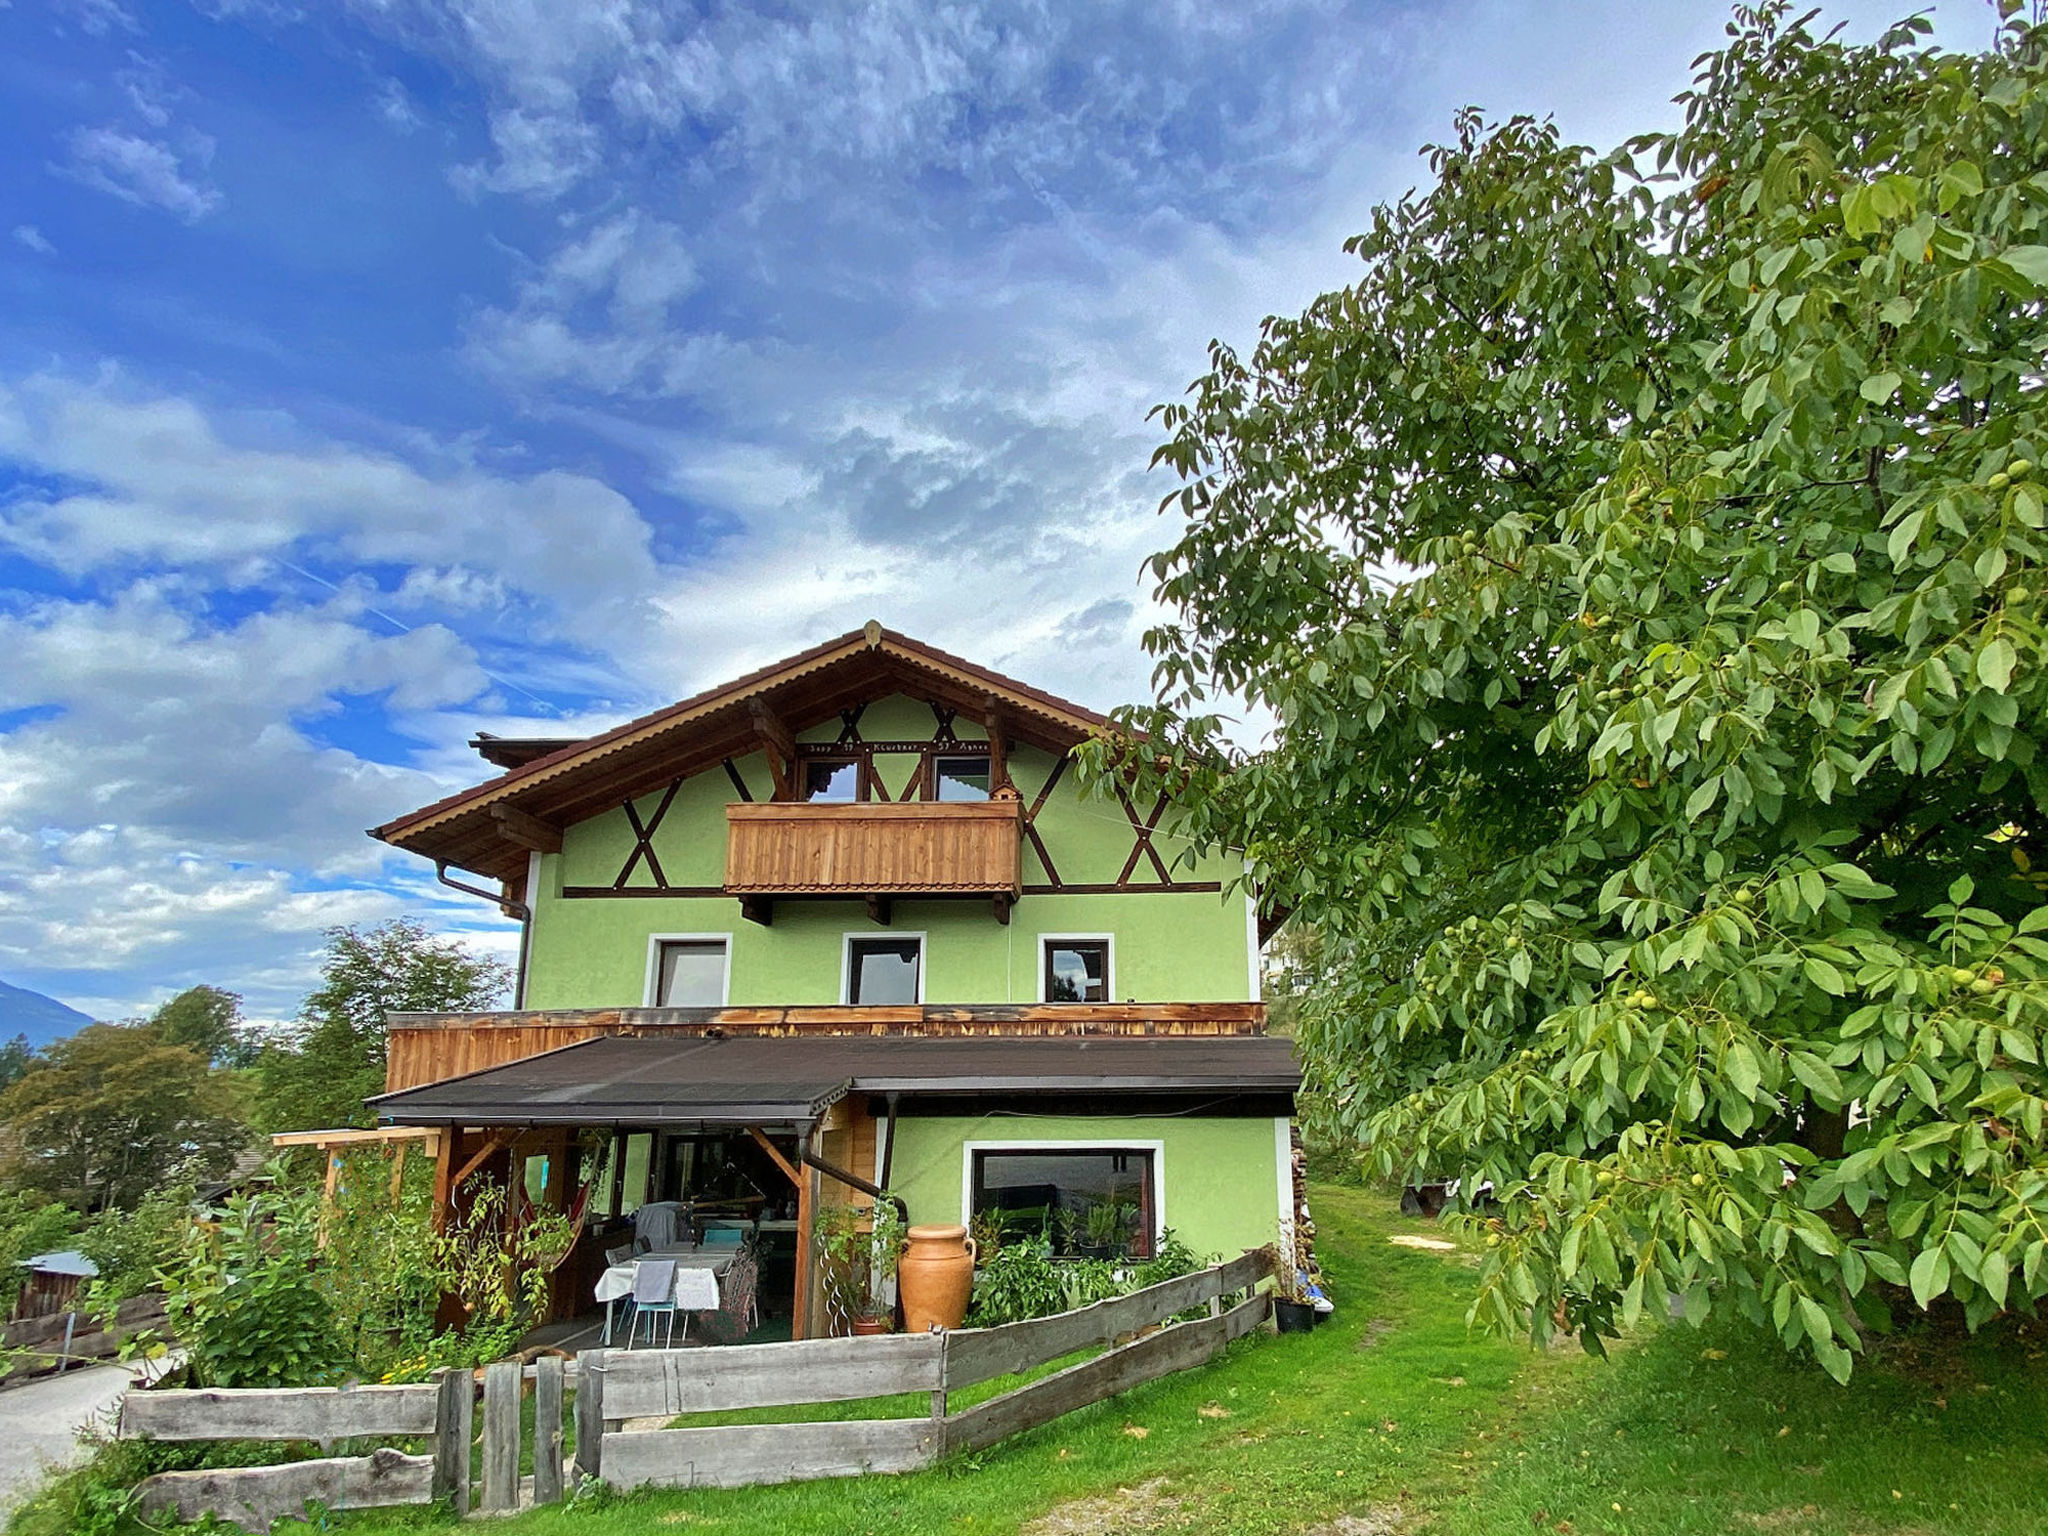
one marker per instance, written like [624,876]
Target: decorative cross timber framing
[643,834]
[1142,848]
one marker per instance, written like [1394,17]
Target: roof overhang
[477,829]
[788,1082]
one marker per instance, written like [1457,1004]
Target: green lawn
[1396,1415]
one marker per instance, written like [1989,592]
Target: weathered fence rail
[612,1387]
[255,1497]
[35,1345]
[616,1386]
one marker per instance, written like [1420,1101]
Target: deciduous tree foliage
[1644,562]
[105,1115]
[335,1059]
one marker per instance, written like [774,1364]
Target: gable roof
[579,779]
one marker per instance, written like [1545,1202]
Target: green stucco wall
[1169,947]
[1218,1187]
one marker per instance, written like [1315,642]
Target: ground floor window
[1088,1202]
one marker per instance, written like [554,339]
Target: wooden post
[398,1172]
[589,1412]
[501,1436]
[547,1430]
[452,1420]
[800,1318]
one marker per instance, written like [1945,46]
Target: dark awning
[788,1081]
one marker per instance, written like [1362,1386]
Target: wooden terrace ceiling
[475,829]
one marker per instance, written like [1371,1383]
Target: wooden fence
[35,1345]
[612,1387]
[253,1497]
[619,1385]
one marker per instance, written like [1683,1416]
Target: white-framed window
[1076,968]
[1089,1198]
[882,969]
[688,970]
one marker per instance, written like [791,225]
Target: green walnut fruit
[2019,469]
[1980,986]
[2017,594]
[1606,1176]
[1998,482]
[1960,976]
[1699,1181]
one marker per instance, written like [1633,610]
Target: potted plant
[858,1249]
[1294,1309]
[1103,1230]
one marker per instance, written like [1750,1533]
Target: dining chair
[654,1295]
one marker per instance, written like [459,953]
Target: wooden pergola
[336,1143]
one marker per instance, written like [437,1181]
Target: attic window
[961,778]
[832,779]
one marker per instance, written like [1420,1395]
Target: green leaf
[1879,387]
[2029,262]
[1929,1275]
[1995,663]
[1825,976]
[1743,1073]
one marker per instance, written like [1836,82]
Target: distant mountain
[41,1018]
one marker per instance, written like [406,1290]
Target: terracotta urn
[934,1277]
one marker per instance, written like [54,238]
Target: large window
[1077,971]
[688,973]
[1088,1202]
[884,971]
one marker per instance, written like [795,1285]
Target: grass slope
[1393,1413]
[1280,1433]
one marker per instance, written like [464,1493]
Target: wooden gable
[490,828]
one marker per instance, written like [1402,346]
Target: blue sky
[377,371]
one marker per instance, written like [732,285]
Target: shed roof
[789,1081]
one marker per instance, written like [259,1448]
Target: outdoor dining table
[698,1271]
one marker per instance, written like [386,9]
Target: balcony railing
[874,850]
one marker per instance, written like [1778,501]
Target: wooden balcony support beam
[779,743]
[998,742]
[516,826]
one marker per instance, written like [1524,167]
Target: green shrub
[243,1298]
[1019,1281]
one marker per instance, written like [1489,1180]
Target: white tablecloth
[697,1272]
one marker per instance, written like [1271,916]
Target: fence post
[501,1436]
[452,1419]
[547,1430]
[589,1411]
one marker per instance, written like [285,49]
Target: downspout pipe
[889,1146]
[518,910]
[854,1181]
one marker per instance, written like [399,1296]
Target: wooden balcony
[875,851]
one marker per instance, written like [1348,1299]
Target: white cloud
[34,239]
[152,479]
[146,172]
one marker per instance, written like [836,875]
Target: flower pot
[934,1277]
[868,1327]
[1094,1250]
[1293,1316]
